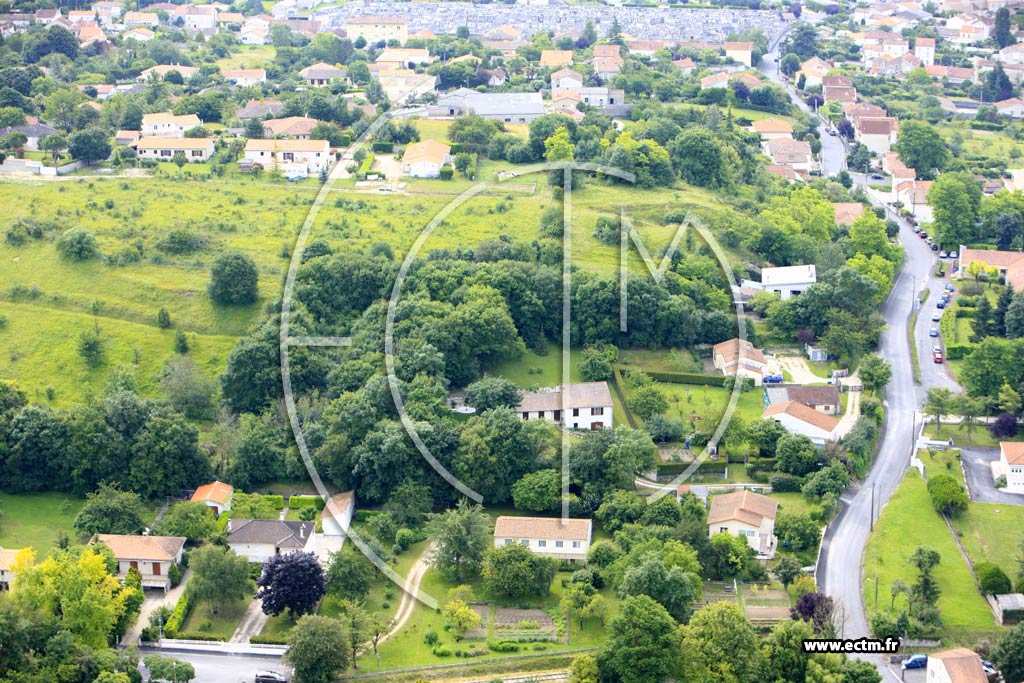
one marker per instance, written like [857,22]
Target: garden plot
[523,625]
[764,605]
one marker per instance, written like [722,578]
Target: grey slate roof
[281,534]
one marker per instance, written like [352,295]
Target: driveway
[799,371]
[153,600]
[251,623]
[978,472]
[851,415]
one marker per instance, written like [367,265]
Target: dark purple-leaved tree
[293,582]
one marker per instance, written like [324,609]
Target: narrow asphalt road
[217,668]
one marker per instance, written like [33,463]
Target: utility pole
[872,507]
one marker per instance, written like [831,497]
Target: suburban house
[298,127]
[139,33]
[566,79]
[877,134]
[403,58]
[257,540]
[786,281]
[216,495]
[1013,107]
[34,133]
[739,357]
[847,212]
[583,405]
[321,74]
[147,19]
[813,71]
[167,125]
[244,77]
[956,666]
[425,159]
[378,29]
[506,107]
[151,556]
[7,559]
[913,195]
[294,158]
[404,85]
[553,59]
[748,515]
[742,52]
[800,419]
[164,149]
[563,539]
[161,71]
[1010,465]
[1010,264]
[788,152]
[771,129]
[823,398]
[258,109]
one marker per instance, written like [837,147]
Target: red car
[936,356]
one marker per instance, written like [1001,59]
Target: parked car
[954,254]
[923,235]
[936,317]
[991,672]
[877,176]
[943,254]
[934,332]
[934,247]
[936,355]
[949,286]
[270,677]
[940,304]
[832,132]
[915,662]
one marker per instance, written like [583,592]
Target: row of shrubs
[443,651]
[268,640]
[299,502]
[178,615]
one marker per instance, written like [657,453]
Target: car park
[915,662]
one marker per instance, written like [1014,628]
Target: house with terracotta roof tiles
[293,158]
[258,540]
[581,405]
[1010,264]
[847,212]
[563,539]
[740,51]
[770,129]
[956,666]
[425,159]
[216,495]
[151,556]
[748,515]
[739,357]
[800,419]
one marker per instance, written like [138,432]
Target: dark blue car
[915,662]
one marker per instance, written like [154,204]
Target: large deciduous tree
[460,535]
[920,147]
[317,649]
[642,644]
[234,280]
[293,582]
[218,576]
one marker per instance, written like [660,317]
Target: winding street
[839,570]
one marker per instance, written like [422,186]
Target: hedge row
[299,502]
[178,615]
[268,640]
[193,635]
[958,351]
[687,378]
[675,468]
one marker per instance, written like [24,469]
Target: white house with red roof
[798,418]
[563,539]
[216,495]
[748,515]
[1010,465]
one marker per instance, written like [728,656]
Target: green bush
[446,172]
[178,616]
[442,651]
[268,640]
[992,579]
[785,483]
[192,635]
[299,502]
[688,378]
[958,351]
[503,646]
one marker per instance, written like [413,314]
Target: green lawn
[991,533]
[979,436]
[247,57]
[942,462]
[37,520]
[202,619]
[909,521]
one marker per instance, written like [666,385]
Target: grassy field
[992,533]
[37,520]
[48,301]
[979,436]
[247,57]
[942,462]
[909,521]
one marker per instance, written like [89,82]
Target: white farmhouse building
[425,159]
[151,556]
[584,405]
[739,357]
[167,125]
[564,539]
[956,666]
